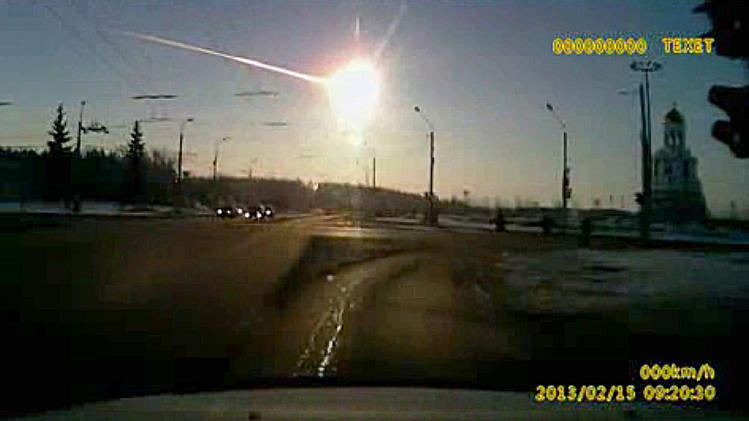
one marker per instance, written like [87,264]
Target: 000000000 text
[599,46]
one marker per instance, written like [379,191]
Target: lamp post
[181,139]
[374,167]
[80,130]
[431,217]
[215,156]
[179,155]
[566,190]
[215,165]
[646,67]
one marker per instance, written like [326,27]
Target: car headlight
[218,211]
[259,215]
[246,214]
[268,212]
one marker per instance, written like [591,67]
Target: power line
[77,35]
[140,76]
[114,47]
[132,83]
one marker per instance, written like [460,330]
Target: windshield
[544,198]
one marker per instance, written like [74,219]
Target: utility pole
[80,130]
[647,171]
[432,216]
[374,172]
[647,103]
[215,158]
[215,165]
[566,190]
[253,161]
[179,156]
[431,173]
[249,181]
[181,139]
[215,155]
[565,179]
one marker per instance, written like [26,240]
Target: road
[98,308]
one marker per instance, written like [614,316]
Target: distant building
[677,191]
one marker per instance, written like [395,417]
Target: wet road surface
[97,309]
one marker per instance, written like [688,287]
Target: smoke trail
[243,60]
[391,30]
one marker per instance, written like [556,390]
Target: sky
[481,71]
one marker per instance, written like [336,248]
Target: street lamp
[80,130]
[432,217]
[566,190]
[646,67]
[181,139]
[364,153]
[178,185]
[429,123]
[215,156]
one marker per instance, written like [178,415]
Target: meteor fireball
[352,89]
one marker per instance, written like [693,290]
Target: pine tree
[58,161]
[60,136]
[135,155]
[136,147]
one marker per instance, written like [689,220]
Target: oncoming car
[258,213]
[227,212]
[267,212]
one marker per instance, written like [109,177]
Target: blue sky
[482,71]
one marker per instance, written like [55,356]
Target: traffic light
[734,101]
[729,19]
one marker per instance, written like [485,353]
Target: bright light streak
[391,30]
[353,92]
[238,59]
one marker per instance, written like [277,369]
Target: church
[677,191]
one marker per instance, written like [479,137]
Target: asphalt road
[99,308]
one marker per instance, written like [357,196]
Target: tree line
[133,174]
[63,173]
